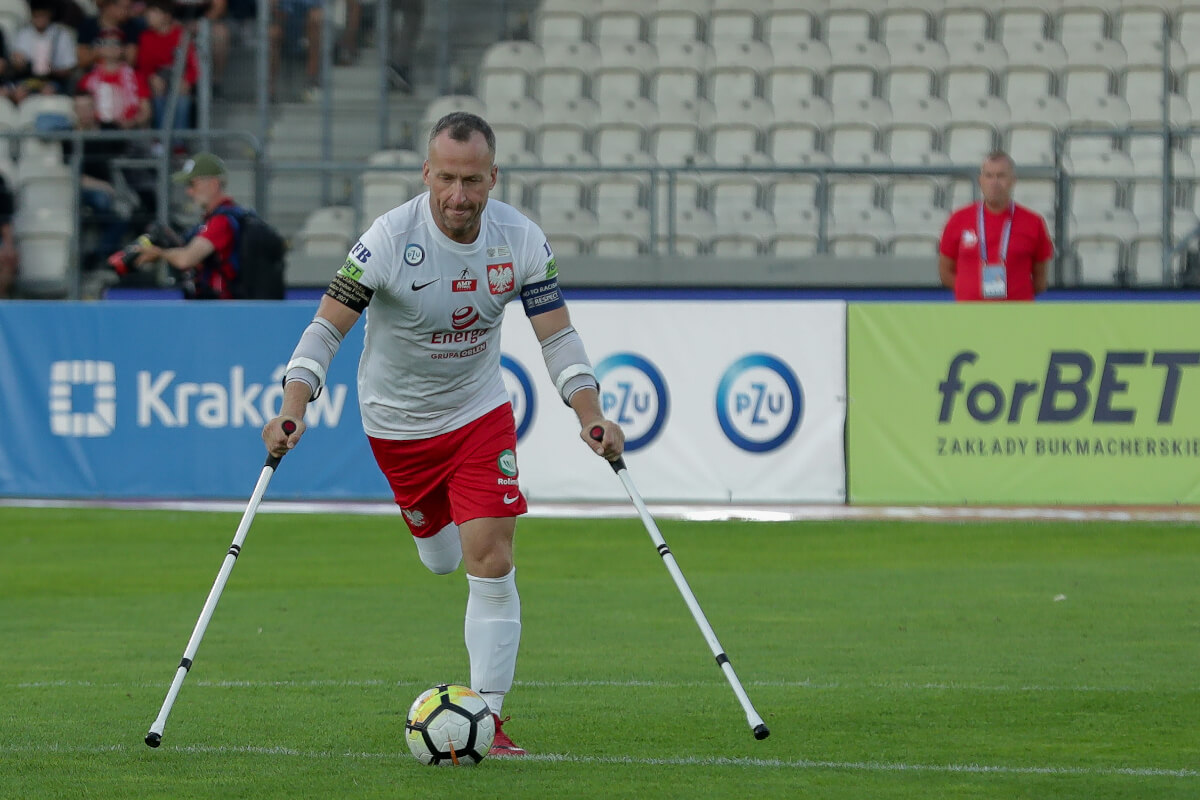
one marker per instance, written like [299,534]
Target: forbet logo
[83,398]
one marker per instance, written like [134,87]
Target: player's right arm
[346,298]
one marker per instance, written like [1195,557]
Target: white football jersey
[431,356]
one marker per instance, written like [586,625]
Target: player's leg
[486,501]
[416,473]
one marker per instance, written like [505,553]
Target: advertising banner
[721,401]
[1044,403]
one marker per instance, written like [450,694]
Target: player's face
[459,176]
[996,181]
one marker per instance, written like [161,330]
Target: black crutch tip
[761,732]
[153,739]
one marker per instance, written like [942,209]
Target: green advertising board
[1023,403]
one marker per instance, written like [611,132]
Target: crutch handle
[289,428]
[597,433]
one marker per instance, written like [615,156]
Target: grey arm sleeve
[310,360]
[568,363]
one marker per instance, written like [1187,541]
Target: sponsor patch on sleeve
[351,269]
[540,297]
[551,268]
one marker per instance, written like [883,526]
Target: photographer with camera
[231,254]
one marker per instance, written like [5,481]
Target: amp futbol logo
[500,278]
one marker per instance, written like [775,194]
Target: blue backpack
[260,256]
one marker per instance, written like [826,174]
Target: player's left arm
[573,376]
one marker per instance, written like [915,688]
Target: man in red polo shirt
[995,249]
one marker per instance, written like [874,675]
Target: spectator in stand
[121,96]
[219,35]
[301,20]
[995,249]
[8,245]
[43,53]
[156,57]
[106,200]
[404,50]
[113,14]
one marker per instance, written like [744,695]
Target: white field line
[683,761]
[623,684]
[696,512]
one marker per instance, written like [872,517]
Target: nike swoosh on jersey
[510,500]
[416,287]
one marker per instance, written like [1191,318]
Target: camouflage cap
[201,165]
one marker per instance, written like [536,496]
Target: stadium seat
[1099,258]
[620,231]
[569,230]
[846,23]
[1019,23]
[1038,194]
[1146,153]
[1091,97]
[974,54]
[1097,156]
[622,129]
[1147,206]
[670,22]
[1030,143]
[855,143]
[737,72]
[563,20]
[865,54]
[616,22]
[9,117]
[738,130]
[1082,21]
[743,234]
[384,190]
[791,195]
[448,104]
[965,19]
[731,193]
[902,24]
[675,138]
[624,189]
[624,70]
[912,143]
[1098,52]
[44,183]
[907,84]
[736,20]
[46,267]
[1142,88]
[1146,262]
[787,23]
[565,71]
[692,229]
[1187,31]
[796,143]
[328,231]
[1029,92]
[515,183]
[680,70]
[860,233]
[968,142]
[797,90]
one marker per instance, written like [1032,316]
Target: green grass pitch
[890,659]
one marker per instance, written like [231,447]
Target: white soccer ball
[449,725]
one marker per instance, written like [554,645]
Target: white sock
[442,552]
[492,631]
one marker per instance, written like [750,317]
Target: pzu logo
[759,403]
[634,395]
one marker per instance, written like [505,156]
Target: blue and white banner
[720,401]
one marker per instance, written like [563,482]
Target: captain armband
[568,363]
[312,356]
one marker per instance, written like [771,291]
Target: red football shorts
[456,476]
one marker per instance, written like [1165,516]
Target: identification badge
[995,282]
